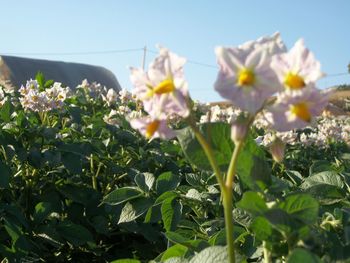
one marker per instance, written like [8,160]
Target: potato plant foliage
[76,189]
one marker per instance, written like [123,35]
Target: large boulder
[16,71]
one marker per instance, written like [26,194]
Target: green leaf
[176,237]
[326,177]
[171,213]
[319,166]
[134,209]
[49,83]
[165,196]
[42,210]
[5,174]
[261,228]
[326,194]
[175,251]
[78,193]
[326,187]
[39,77]
[280,219]
[153,214]
[219,137]
[100,223]
[122,195]
[13,230]
[302,255]
[75,234]
[252,167]
[72,162]
[253,203]
[5,111]
[193,194]
[295,177]
[211,255]
[166,182]
[301,206]
[145,181]
[241,217]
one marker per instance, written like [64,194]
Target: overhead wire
[190,61]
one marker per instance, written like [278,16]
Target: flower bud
[239,128]
[277,150]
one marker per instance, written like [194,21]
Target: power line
[190,61]
[337,74]
[75,53]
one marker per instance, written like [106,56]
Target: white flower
[297,111]
[162,89]
[152,128]
[297,68]
[245,77]
[111,97]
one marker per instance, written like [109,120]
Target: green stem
[233,163]
[209,153]
[228,204]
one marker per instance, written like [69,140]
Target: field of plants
[79,184]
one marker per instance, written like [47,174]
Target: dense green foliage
[74,188]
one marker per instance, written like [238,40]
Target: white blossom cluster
[42,101]
[121,101]
[94,89]
[326,129]
[217,114]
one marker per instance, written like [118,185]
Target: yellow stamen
[294,81]
[301,110]
[151,128]
[246,77]
[166,86]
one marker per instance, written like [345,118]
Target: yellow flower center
[246,77]
[301,110]
[166,86]
[151,128]
[294,81]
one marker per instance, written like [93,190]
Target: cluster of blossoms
[255,71]
[121,101]
[321,135]
[252,73]
[249,76]
[94,89]
[32,98]
[218,114]
[163,92]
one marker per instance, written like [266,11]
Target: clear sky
[190,28]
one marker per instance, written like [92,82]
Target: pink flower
[152,128]
[245,77]
[296,111]
[163,87]
[297,68]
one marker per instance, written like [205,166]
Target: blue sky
[190,28]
